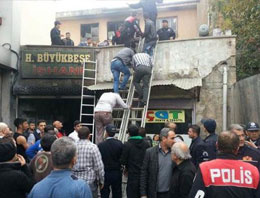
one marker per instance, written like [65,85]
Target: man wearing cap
[252,130]
[157,167]
[111,150]
[165,33]
[55,34]
[16,179]
[209,151]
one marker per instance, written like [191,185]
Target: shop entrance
[65,110]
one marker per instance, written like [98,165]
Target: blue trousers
[116,67]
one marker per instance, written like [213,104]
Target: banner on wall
[162,116]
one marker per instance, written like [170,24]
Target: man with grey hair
[157,167]
[245,152]
[4,130]
[61,182]
[183,173]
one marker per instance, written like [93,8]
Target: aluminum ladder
[135,114]
[88,99]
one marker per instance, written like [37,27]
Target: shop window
[112,27]
[172,23]
[89,31]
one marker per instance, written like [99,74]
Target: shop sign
[161,116]
[54,62]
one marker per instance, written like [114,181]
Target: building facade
[22,22]
[184,17]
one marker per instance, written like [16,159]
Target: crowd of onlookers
[41,161]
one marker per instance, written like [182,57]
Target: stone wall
[210,104]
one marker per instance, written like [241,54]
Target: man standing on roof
[129,29]
[150,35]
[103,112]
[149,7]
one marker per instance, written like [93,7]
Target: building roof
[102,12]
[184,83]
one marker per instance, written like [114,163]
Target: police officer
[226,177]
[165,33]
[245,152]
[252,130]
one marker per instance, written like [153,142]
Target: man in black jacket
[150,35]
[132,158]
[196,144]
[209,151]
[157,167]
[55,34]
[226,177]
[149,8]
[16,179]
[183,172]
[111,150]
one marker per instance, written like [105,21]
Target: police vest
[225,172]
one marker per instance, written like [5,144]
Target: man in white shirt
[74,134]
[103,112]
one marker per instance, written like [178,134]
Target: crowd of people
[57,165]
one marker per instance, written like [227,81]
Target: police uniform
[249,154]
[226,177]
[165,34]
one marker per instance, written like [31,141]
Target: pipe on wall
[225,75]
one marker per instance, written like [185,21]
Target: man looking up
[61,182]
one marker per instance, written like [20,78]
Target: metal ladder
[88,99]
[135,114]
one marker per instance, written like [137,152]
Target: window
[89,31]
[172,23]
[112,27]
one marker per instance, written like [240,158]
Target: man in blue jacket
[61,182]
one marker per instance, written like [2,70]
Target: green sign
[55,62]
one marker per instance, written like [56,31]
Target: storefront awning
[184,83]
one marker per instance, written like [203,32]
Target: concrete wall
[188,59]
[186,24]
[23,22]
[246,100]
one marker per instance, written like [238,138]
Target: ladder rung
[88,78]
[85,124]
[137,109]
[118,109]
[87,114]
[117,119]
[88,105]
[88,96]
[90,70]
[135,119]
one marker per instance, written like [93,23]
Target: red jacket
[226,178]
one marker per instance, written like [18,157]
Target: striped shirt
[142,59]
